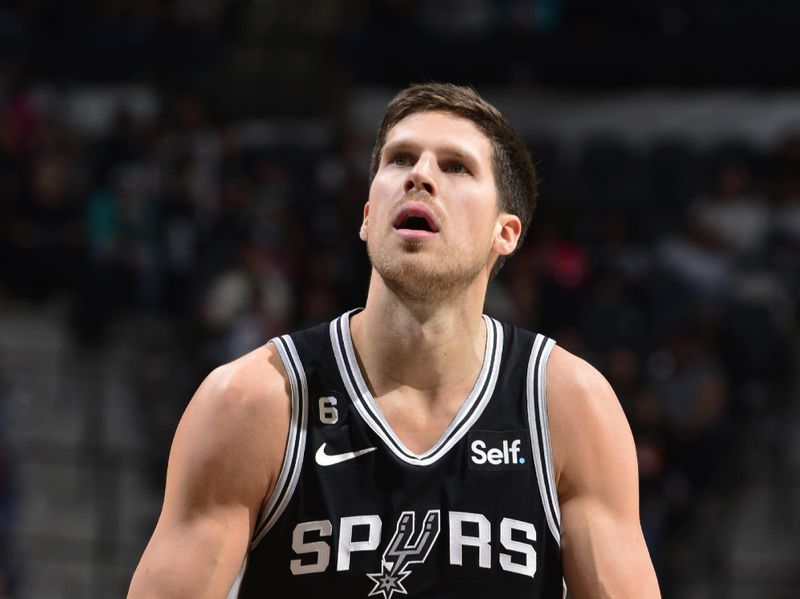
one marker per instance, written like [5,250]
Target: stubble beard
[416,277]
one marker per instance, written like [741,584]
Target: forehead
[436,128]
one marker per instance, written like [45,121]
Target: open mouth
[416,219]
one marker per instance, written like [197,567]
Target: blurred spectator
[21,123]
[734,217]
[724,234]
[784,241]
[688,382]
[44,231]
[698,271]
[246,304]
[562,263]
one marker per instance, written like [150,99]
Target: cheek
[379,200]
[383,184]
[481,222]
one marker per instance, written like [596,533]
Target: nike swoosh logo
[326,459]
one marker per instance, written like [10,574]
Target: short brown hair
[516,177]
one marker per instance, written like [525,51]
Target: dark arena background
[179,181]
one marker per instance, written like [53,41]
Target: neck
[434,349]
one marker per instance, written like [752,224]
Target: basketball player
[414,447]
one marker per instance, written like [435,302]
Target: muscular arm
[224,460]
[603,550]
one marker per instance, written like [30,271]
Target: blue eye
[400,160]
[456,167]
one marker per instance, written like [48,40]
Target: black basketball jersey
[356,514]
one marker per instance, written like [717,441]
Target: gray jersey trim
[540,431]
[295,444]
[234,592]
[367,407]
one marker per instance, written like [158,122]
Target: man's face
[432,220]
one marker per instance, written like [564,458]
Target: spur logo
[402,551]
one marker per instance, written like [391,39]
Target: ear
[362,232]
[507,232]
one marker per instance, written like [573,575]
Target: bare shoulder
[250,393]
[254,384]
[574,385]
[235,426]
[587,423]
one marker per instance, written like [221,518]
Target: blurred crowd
[673,268]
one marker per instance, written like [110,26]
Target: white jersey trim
[295,444]
[540,431]
[367,407]
[234,592]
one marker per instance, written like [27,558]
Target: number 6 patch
[328,410]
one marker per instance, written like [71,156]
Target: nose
[420,177]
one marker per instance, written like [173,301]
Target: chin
[420,277]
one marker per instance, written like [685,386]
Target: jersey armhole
[295,442]
[536,391]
